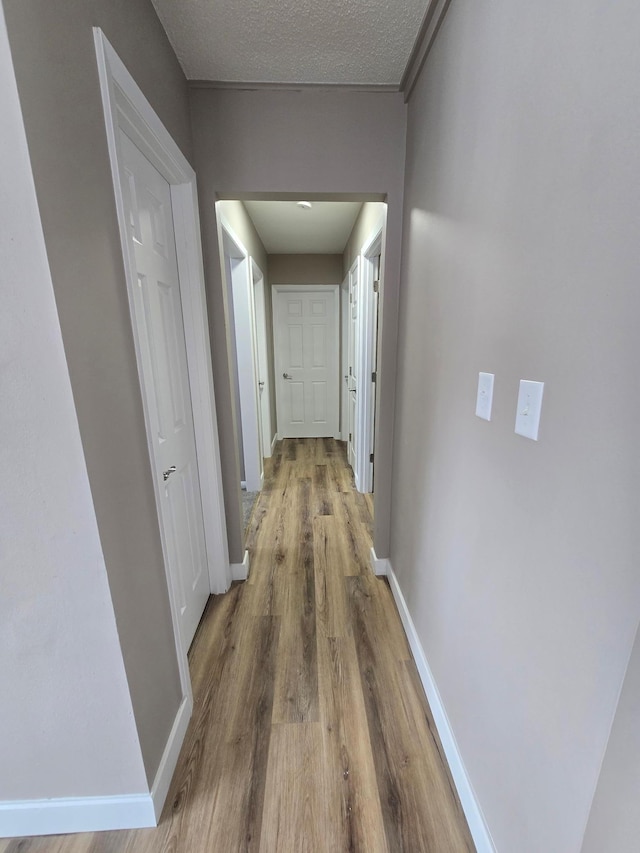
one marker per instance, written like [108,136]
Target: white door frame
[368,345]
[344,361]
[306,288]
[240,290]
[354,369]
[262,356]
[126,108]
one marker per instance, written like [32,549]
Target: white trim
[164,775]
[344,359]
[477,824]
[353,343]
[380,566]
[240,571]
[75,814]
[261,356]
[274,442]
[126,106]
[365,402]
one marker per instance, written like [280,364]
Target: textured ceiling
[293,41]
[285,228]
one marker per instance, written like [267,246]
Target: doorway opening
[303,281]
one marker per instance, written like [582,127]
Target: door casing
[126,108]
[237,268]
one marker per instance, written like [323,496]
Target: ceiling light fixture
[305,205]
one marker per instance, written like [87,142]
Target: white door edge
[344,358]
[261,334]
[126,107]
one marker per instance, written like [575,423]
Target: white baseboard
[169,759]
[240,571]
[477,824]
[243,484]
[64,815]
[75,814]
[273,443]
[379,566]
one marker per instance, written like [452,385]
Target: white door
[354,350]
[377,268]
[165,382]
[262,359]
[306,345]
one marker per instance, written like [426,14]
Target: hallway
[310,729]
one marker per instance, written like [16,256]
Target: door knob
[166,474]
[286,376]
[261,383]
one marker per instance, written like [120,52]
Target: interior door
[165,382]
[306,344]
[354,349]
[263,365]
[374,362]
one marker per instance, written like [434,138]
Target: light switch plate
[529,408]
[485,396]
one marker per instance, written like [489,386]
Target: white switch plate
[485,396]
[529,408]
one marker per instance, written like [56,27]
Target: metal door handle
[166,474]
[286,376]
[261,383]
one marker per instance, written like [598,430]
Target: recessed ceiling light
[305,205]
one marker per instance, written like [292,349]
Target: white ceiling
[293,41]
[286,229]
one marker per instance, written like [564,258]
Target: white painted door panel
[354,350]
[306,343]
[165,382]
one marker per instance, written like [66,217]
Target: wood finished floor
[310,732]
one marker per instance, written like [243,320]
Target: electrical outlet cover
[485,396]
[529,408]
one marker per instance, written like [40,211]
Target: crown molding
[250,86]
[433,17]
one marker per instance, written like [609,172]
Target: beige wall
[308,141]
[614,822]
[306,269]
[519,560]
[67,726]
[370,219]
[55,63]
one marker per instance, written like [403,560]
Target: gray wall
[614,822]
[54,57]
[519,560]
[66,725]
[307,142]
[366,225]
[306,269]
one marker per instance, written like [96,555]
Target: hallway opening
[304,346]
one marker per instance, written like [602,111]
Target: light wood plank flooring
[311,732]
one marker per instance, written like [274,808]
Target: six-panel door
[306,343]
[165,382]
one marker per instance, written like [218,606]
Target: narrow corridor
[310,730]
